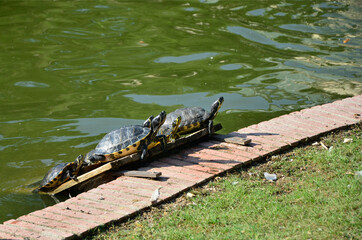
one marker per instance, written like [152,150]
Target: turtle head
[87,160]
[175,124]
[148,122]
[158,121]
[215,107]
[78,163]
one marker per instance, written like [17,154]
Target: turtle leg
[71,175]
[163,140]
[210,127]
[143,150]
[97,158]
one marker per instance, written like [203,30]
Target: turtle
[61,173]
[127,140]
[194,118]
[169,130]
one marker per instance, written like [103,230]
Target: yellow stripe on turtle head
[175,127]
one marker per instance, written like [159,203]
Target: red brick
[124,193]
[202,162]
[344,107]
[204,155]
[148,185]
[72,228]
[349,106]
[331,114]
[100,219]
[171,185]
[19,231]
[190,165]
[270,130]
[46,232]
[349,117]
[300,128]
[223,151]
[257,138]
[80,200]
[166,192]
[191,180]
[285,130]
[255,132]
[270,144]
[327,118]
[293,131]
[225,157]
[296,122]
[84,212]
[136,196]
[26,230]
[238,150]
[245,152]
[183,170]
[145,202]
[322,119]
[81,223]
[312,123]
[345,112]
[125,202]
[4,235]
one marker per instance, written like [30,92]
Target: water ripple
[263,38]
[186,58]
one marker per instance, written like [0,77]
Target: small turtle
[194,118]
[60,174]
[170,131]
[127,140]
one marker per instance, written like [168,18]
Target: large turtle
[127,140]
[60,174]
[194,118]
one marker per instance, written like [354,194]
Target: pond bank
[125,196]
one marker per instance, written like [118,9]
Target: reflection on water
[72,71]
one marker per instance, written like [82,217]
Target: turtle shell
[121,142]
[192,118]
[56,176]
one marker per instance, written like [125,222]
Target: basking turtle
[60,174]
[194,118]
[127,140]
[170,131]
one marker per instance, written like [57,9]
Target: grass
[317,196]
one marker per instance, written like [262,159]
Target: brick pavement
[127,196]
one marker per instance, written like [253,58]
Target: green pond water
[71,71]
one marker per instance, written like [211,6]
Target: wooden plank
[80,179]
[116,164]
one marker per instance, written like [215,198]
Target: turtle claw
[144,153]
[74,178]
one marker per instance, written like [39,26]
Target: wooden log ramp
[92,178]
